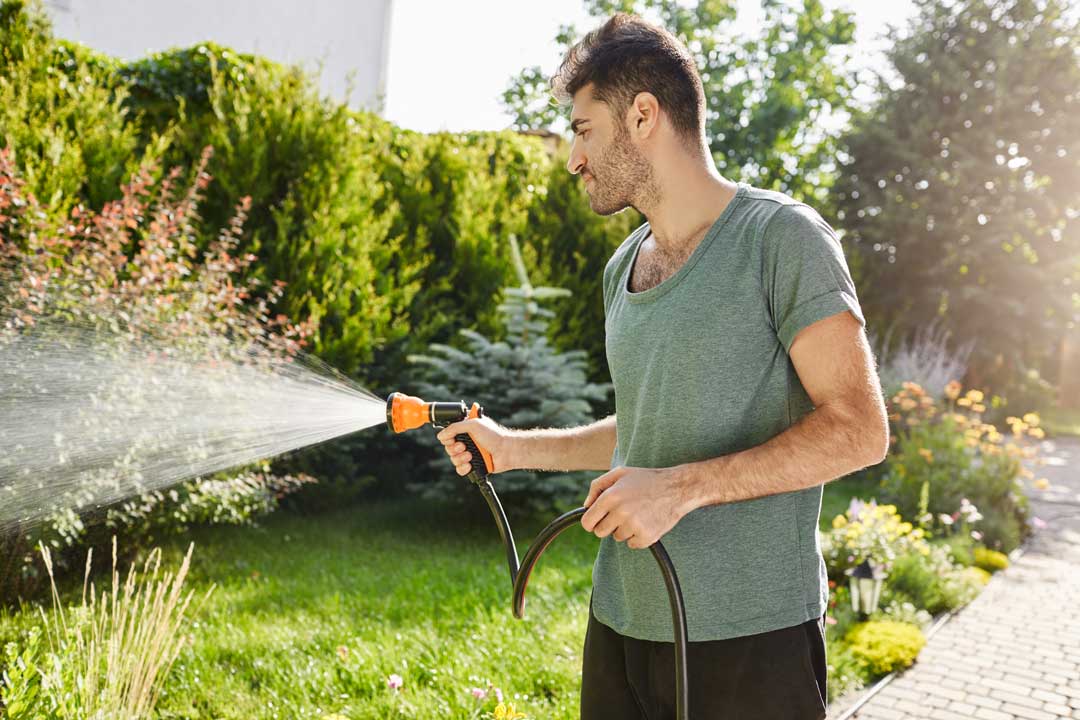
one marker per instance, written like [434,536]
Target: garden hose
[405,412]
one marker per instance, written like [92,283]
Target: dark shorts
[777,675]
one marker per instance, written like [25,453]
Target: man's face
[603,153]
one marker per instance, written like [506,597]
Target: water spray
[406,412]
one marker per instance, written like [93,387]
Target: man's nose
[576,161]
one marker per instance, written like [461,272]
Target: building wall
[346,35]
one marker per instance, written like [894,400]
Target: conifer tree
[522,382]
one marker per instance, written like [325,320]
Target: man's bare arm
[588,447]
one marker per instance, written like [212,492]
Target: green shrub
[949,455]
[932,582]
[522,382]
[990,560]
[882,646]
[62,115]
[320,214]
[961,547]
[846,673]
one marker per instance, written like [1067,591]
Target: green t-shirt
[701,369]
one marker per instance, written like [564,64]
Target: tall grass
[110,655]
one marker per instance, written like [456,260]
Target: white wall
[347,35]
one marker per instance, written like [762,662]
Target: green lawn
[312,614]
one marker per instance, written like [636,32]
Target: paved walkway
[1014,652]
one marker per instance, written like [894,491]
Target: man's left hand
[638,505]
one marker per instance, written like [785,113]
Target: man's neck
[688,206]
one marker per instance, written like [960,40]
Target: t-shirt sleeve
[804,274]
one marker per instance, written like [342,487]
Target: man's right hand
[487,434]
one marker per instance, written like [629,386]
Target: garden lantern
[865,582]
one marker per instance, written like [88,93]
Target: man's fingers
[601,484]
[606,526]
[449,433]
[592,516]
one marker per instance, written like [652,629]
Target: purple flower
[478,693]
[394,681]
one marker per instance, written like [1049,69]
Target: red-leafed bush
[133,273]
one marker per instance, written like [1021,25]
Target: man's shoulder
[779,214]
[769,203]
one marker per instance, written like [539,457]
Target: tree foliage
[959,186]
[766,96]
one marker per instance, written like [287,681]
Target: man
[743,383]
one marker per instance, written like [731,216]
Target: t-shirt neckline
[664,287]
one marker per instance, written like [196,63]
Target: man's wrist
[513,440]
[697,484]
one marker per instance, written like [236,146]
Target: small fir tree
[522,382]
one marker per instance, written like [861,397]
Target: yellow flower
[1042,484]
[507,712]
[839,521]
[975,395]
[907,404]
[925,550]
[905,528]
[927,453]
[952,390]
[1032,419]
[964,402]
[978,407]
[1037,432]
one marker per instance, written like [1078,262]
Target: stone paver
[1014,652]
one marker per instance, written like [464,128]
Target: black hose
[519,576]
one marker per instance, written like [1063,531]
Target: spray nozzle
[406,412]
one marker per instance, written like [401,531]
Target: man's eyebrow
[574,124]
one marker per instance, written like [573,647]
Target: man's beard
[624,178]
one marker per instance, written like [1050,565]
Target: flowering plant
[868,531]
[944,455]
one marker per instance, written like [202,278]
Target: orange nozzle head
[405,412]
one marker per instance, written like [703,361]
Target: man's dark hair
[628,55]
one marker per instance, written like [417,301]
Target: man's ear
[646,110]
